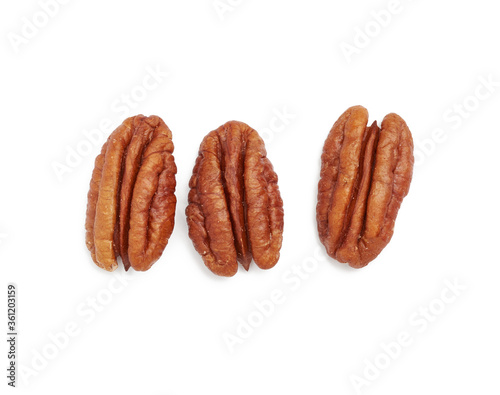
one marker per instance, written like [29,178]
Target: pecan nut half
[131,201]
[365,174]
[235,211]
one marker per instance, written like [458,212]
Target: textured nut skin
[235,211]
[365,174]
[131,201]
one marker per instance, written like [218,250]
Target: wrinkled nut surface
[235,211]
[365,174]
[131,201]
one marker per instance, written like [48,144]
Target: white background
[164,333]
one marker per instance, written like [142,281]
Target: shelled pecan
[131,201]
[235,211]
[365,174]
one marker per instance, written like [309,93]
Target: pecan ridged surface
[365,174]
[235,211]
[131,201]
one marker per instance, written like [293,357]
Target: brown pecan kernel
[131,201]
[235,211]
[365,174]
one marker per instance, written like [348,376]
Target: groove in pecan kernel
[235,211]
[131,201]
[365,174]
